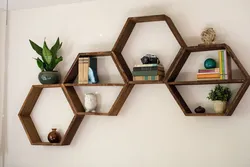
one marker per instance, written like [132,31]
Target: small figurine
[90,102]
[200,110]
[208,36]
[150,59]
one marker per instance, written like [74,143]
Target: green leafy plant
[49,58]
[220,93]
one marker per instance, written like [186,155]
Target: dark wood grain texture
[97,84]
[237,62]
[122,66]
[115,109]
[205,114]
[146,82]
[30,101]
[230,109]
[72,129]
[179,99]
[73,71]
[177,65]
[73,99]
[206,82]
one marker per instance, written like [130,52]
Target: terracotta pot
[54,136]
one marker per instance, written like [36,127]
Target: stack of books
[87,70]
[210,74]
[148,72]
[219,73]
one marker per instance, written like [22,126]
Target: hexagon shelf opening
[126,32]
[179,62]
[74,99]
[28,123]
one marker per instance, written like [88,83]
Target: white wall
[150,130]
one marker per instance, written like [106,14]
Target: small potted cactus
[220,95]
[48,61]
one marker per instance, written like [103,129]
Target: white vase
[90,102]
[219,106]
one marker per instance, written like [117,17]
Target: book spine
[84,70]
[215,70]
[208,76]
[220,63]
[147,78]
[80,70]
[147,73]
[148,68]
[148,65]
[225,64]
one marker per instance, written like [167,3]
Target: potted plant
[220,95]
[48,62]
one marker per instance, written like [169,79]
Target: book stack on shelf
[219,73]
[148,72]
[87,70]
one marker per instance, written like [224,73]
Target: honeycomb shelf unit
[126,32]
[179,62]
[29,126]
[77,107]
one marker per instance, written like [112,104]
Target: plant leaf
[40,64]
[54,49]
[58,60]
[47,53]
[37,48]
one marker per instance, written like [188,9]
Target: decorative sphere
[210,63]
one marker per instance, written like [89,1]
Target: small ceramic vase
[54,136]
[90,102]
[219,106]
[200,110]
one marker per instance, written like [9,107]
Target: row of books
[218,73]
[87,70]
[148,72]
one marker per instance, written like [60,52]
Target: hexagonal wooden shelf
[179,62]
[29,126]
[127,86]
[70,92]
[125,34]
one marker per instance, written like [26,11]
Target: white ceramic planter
[219,106]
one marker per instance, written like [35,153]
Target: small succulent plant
[220,93]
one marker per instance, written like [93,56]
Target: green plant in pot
[48,61]
[220,95]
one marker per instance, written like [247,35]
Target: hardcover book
[147,78]
[148,73]
[83,70]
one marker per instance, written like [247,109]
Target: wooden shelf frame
[116,54]
[29,126]
[73,71]
[78,107]
[128,29]
[179,62]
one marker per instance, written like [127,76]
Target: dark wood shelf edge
[205,114]
[48,86]
[206,82]
[146,82]
[48,144]
[98,84]
[93,113]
